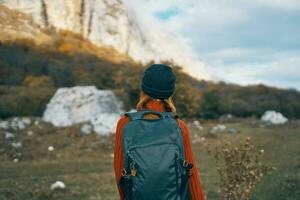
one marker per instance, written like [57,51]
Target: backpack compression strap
[139,115]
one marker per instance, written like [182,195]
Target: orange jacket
[195,186]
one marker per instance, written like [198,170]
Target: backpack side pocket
[184,190]
[126,184]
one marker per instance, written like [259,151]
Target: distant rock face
[274,117]
[14,25]
[109,23]
[218,129]
[70,106]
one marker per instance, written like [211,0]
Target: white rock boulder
[9,135]
[50,148]
[17,123]
[81,104]
[4,125]
[58,185]
[274,117]
[86,129]
[16,145]
[197,124]
[218,128]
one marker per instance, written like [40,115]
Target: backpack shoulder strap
[170,115]
[135,115]
[140,114]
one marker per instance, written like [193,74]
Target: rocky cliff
[108,23]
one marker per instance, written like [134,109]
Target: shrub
[239,168]
[62,64]
[17,101]
[38,81]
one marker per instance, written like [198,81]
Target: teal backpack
[154,164]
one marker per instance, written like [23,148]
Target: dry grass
[85,165]
[239,168]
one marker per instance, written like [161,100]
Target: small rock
[195,141]
[200,128]
[197,124]
[198,139]
[16,160]
[58,185]
[218,128]
[262,151]
[86,129]
[9,135]
[14,125]
[30,133]
[21,125]
[16,145]
[17,123]
[4,125]
[26,120]
[226,117]
[232,130]
[36,123]
[50,148]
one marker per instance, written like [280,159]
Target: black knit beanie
[159,81]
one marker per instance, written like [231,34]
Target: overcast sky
[241,41]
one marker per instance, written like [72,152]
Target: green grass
[85,165]
[83,179]
[281,150]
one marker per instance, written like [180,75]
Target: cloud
[281,70]
[241,41]
[281,4]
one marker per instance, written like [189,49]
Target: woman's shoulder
[181,122]
[123,120]
[182,125]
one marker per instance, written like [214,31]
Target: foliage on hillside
[220,98]
[30,73]
[28,101]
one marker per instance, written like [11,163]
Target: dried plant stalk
[239,168]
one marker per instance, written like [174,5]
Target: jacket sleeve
[195,186]
[118,153]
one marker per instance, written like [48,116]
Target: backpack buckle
[124,172]
[187,165]
[133,172]
[133,169]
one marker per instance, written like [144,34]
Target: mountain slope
[30,73]
[17,25]
[32,69]
[109,23]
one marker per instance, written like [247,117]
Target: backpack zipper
[132,164]
[176,172]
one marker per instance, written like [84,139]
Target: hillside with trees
[30,73]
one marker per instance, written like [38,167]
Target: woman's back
[195,187]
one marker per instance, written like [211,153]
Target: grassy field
[84,162]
